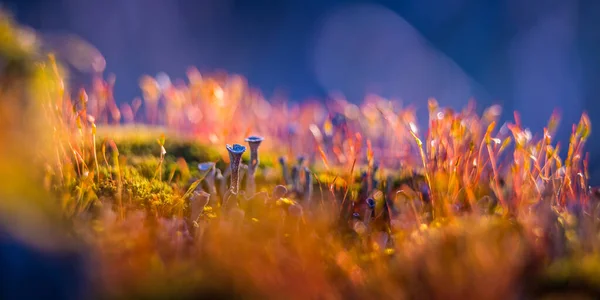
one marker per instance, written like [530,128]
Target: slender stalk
[369,211]
[284,171]
[308,186]
[254,143]
[235,158]
[95,152]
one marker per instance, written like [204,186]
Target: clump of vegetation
[465,211]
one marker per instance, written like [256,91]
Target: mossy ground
[123,197]
[143,191]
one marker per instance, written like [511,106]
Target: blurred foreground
[331,202]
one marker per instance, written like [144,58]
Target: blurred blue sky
[531,56]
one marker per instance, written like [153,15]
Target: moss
[570,276]
[441,258]
[146,166]
[141,192]
[141,141]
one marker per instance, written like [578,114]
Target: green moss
[146,166]
[570,276]
[141,192]
[142,141]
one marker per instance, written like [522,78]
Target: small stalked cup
[308,186]
[235,157]
[369,211]
[208,168]
[254,142]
